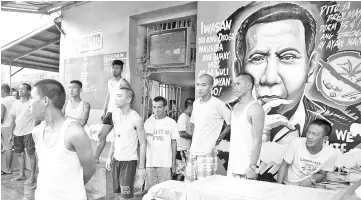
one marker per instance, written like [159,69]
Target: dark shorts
[24,142]
[123,173]
[108,119]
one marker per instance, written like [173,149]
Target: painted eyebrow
[259,52]
[287,49]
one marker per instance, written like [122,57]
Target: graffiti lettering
[223,81]
[221,56]
[354,41]
[211,48]
[328,27]
[328,9]
[215,27]
[354,33]
[334,43]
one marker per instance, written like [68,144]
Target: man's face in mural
[277,59]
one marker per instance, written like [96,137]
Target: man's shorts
[24,142]
[157,175]
[201,166]
[181,160]
[5,134]
[108,119]
[123,173]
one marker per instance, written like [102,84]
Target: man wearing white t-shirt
[207,119]
[307,160]
[161,135]
[6,104]
[184,142]
[22,125]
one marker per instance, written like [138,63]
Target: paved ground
[16,190]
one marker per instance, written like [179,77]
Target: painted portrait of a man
[275,42]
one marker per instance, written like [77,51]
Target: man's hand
[103,116]
[251,174]
[306,183]
[108,164]
[11,139]
[141,173]
[272,121]
[218,141]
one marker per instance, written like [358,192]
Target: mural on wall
[305,58]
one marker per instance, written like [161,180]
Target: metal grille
[172,24]
[171,93]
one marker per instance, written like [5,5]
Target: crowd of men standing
[42,121]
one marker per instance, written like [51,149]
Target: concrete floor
[17,191]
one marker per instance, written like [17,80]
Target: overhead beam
[23,11]
[50,51]
[44,57]
[36,61]
[4,3]
[35,49]
[16,64]
[75,3]
[54,32]
[47,8]
[17,71]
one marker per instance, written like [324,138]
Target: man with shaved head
[63,147]
[207,119]
[123,157]
[247,126]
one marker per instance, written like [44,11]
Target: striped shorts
[201,166]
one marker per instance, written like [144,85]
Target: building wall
[120,32]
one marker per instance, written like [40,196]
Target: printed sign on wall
[90,42]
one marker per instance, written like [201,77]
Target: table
[228,188]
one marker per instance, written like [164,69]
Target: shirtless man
[113,85]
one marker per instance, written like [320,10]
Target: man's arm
[63,109]
[223,134]
[139,125]
[86,111]
[174,153]
[257,118]
[80,143]
[12,126]
[184,134]
[282,172]
[3,109]
[106,102]
[191,127]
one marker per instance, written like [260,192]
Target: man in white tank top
[246,130]
[123,157]
[63,147]
[113,85]
[6,103]
[76,108]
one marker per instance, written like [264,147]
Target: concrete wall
[120,32]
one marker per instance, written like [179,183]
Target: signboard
[94,73]
[90,42]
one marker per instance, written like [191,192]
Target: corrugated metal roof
[37,7]
[39,49]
